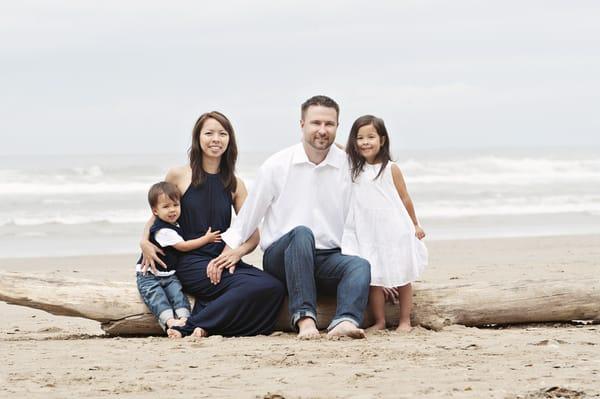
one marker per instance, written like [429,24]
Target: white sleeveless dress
[379,229]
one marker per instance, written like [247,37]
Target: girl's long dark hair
[357,161]
[228,159]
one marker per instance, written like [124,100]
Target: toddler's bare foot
[199,333]
[174,322]
[347,329]
[404,327]
[307,329]
[173,334]
[380,325]
[171,322]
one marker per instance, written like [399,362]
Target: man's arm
[253,210]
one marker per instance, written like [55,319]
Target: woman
[246,301]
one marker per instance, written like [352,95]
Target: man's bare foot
[404,327]
[307,329]
[173,334]
[199,333]
[346,329]
[380,325]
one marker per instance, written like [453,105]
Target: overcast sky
[133,76]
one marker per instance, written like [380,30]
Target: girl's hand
[150,256]
[213,236]
[419,232]
[391,295]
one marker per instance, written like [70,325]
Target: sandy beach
[55,357]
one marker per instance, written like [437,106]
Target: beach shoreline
[55,356]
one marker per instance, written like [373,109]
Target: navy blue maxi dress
[244,303]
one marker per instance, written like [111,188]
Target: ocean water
[77,205]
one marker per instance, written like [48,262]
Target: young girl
[382,226]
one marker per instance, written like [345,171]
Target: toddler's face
[166,209]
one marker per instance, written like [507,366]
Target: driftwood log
[120,310]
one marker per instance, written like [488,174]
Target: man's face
[319,126]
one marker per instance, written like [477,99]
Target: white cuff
[232,239]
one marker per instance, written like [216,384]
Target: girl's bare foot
[173,334]
[199,333]
[380,325]
[404,327]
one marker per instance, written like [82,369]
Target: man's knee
[302,234]
[361,270]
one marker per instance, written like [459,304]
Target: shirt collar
[335,157]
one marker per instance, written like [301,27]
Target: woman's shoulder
[240,186]
[178,172]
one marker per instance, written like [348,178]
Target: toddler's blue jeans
[163,296]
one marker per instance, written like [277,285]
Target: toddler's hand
[419,232]
[213,236]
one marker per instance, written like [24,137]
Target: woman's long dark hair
[357,161]
[228,159]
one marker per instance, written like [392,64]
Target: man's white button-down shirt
[291,191]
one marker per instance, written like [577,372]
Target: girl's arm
[408,204]
[230,257]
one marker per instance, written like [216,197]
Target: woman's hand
[228,259]
[419,232]
[150,256]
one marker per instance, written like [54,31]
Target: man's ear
[302,123]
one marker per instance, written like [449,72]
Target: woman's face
[214,139]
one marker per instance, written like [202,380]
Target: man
[302,193]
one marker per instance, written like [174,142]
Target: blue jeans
[162,295]
[294,260]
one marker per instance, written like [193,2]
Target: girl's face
[214,139]
[368,143]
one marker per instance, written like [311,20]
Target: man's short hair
[168,189]
[323,101]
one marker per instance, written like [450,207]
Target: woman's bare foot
[307,329]
[199,333]
[173,334]
[346,329]
[404,327]
[379,325]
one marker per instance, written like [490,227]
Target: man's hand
[228,259]
[150,256]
